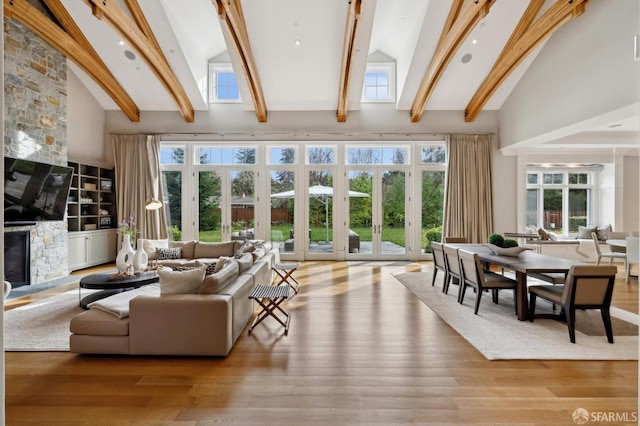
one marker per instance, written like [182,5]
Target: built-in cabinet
[90,248]
[91,216]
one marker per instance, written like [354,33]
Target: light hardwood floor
[361,349]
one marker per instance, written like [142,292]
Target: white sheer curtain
[137,177]
[468,208]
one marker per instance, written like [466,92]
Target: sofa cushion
[244,262]
[187,247]
[584,232]
[151,246]
[178,263]
[213,250]
[258,254]
[99,323]
[180,282]
[212,284]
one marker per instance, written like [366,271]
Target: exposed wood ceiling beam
[347,53]
[230,13]
[76,50]
[525,38]
[143,24]
[121,23]
[457,28]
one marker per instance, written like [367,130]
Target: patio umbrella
[322,193]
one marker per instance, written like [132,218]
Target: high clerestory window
[223,84]
[379,83]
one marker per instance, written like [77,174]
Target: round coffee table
[109,286]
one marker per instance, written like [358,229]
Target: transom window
[377,155]
[225,155]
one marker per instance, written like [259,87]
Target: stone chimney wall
[35,127]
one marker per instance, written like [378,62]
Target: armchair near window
[611,255]
[586,287]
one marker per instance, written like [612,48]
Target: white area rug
[42,325]
[497,333]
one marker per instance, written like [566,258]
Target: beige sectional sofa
[206,320]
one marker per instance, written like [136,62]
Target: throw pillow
[180,282]
[544,235]
[584,232]
[222,260]
[169,253]
[209,266]
[603,232]
[151,247]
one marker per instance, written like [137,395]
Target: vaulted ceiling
[293,55]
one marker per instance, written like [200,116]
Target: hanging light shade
[153,204]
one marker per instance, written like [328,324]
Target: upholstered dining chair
[453,267]
[586,287]
[473,275]
[633,256]
[454,240]
[611,255]
[438,261]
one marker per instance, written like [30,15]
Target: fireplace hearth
[17,258]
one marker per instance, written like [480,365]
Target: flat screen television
[34,191]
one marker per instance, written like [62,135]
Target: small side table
[269,298]
[285,272]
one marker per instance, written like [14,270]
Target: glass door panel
[432,208]
[209,206]
[392,229]
[320,212]
[242,205]
[359,234]
[172,190]
[282,210]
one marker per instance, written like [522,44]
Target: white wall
[586,69]
[85,125]
[630,193]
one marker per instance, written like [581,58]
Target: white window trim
[214,69]
[388,67]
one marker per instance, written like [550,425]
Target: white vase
[140,259]
[125,255]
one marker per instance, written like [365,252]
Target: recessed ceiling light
[121,42]
[474,41]
[297,42]
[466,58]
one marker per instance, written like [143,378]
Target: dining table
[526,263]
[617,245]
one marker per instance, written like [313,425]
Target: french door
[377,214]
[226,204]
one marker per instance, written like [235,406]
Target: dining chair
[611,255]
[452,264]
[586,287]
[438,261]
[473,275]
[633,256]
[455,240]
